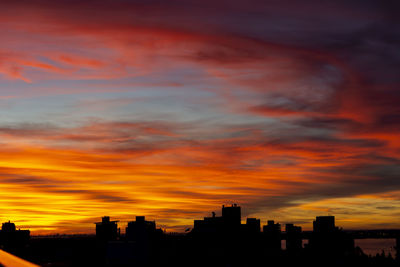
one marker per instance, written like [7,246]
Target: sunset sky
[170,109]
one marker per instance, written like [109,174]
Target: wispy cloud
[161,107]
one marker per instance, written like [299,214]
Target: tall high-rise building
[231,215]
[253,225]
[294,239]
[324,224]
[272,235]
[106,230]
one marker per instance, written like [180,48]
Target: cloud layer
[171,109]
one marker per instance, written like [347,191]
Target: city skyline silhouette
[218,241]
[126,124]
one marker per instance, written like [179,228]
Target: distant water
[371,246]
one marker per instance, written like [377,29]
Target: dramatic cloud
[172,108]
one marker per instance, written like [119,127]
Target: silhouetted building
[140,247]
[231,215]
[324,224]
[272,235]
[140,229]
[230,221]
[224,240]
[8,227]
[253,225]
[106,230]
[294,238]
[329,241]
[12,239]
[209,225]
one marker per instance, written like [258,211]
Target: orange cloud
[165,178]
[280,126]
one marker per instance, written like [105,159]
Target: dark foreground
[214,241]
